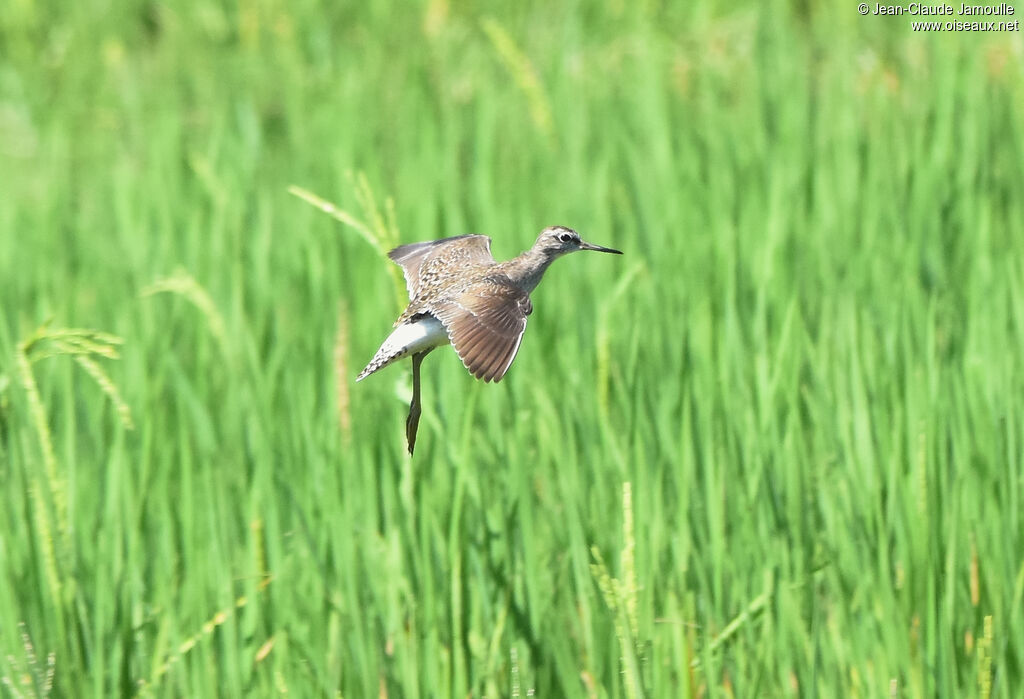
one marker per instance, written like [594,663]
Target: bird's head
[555,241]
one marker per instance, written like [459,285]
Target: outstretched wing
[485,322]
[421,262]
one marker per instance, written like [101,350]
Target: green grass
[774,450]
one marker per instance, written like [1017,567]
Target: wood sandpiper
[460,295]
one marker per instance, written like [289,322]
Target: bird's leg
[413,421]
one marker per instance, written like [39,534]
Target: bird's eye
[565,237]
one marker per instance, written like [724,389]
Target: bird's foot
[412,423]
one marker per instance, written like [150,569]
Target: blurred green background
[773,450]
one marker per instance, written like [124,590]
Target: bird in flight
[460,295]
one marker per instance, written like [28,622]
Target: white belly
[407,339]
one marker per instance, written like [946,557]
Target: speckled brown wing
[421,262]
[485,322]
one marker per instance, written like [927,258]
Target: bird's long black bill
[598,248]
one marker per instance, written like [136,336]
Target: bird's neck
[526,270]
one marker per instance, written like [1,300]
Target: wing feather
[447,254]
[485,323]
